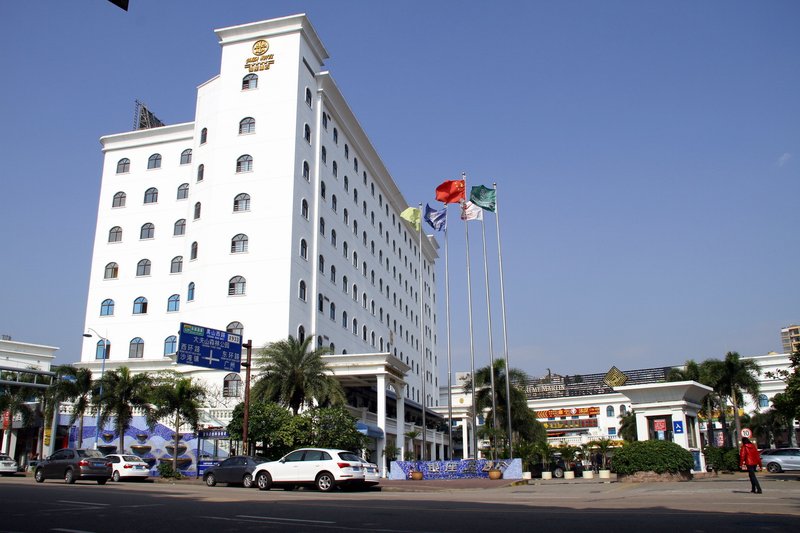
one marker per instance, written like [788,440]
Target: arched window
[193,251]
[119,199]
[183,191]
[232,386]
[197,210]
[335,135]
[322,263]
[355,327]
[308,97]
[610,411]
[102,350]
[136,349]
[355,164]
[244,163]
[174,303]
[324,155]
[346,152]
[148,231]
[140,306]
[763,401]
[355,195]
[237,286]
[335,169]
[170,345]
[334,203]
[239,244]
[112,271]
[123,165]
[344,319]
[235,328]
[320,303]
[154,161]
[332,312]
[321,226]
[143,267]
[241,203]
[177,265]
[306,171]
[345,217]
[333,273]
[301,334]
[201,170]
[307,133]
[180,227]
[325,120]
[345,284]
[301,290]
[622,410]
[303,249]
[304,209]
[115,234]
[247,125]
[186,156]
[372,337]
[203,135]
[107,308]
[333,238]
[190,292]
[250,82]
[151,195]
[345,252]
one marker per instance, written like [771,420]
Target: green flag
[412,215]
[484,197]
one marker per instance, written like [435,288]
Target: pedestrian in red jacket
[750,459]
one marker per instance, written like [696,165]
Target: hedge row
[652,456]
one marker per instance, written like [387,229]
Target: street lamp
[102,373]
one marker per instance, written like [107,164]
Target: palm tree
[180,400]
[412,435]
[738,376]
[627,427]
[701,373]
[16,400]
[294,376]
[75,385]
[768,424]
[122,392]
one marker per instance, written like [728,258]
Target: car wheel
[558,472]
[263,481]
[115,476]
[38,475]
[325,482]
[69,477]
[211,480]
[774,468]
[247,481]
[102,481]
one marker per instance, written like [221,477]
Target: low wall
[646,477]
[461,469]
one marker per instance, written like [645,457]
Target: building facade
[271,214]
[790,338]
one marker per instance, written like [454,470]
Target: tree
[294,376]
[75,385]
[701,373]
[627,427]
[180,400]
[767,425]
[16,400]
[787,403]
[268,423]
[411,453]
[122,392]
[737,376]
[334,427]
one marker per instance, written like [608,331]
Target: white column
[381,387]
[465,434]
[401,420]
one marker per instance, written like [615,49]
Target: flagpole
[505,333]
[471,334]
[449,350]
[422,336]
[491,343]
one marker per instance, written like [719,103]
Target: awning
[369,430]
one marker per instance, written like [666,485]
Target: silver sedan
[781,459]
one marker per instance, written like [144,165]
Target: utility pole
[246,421]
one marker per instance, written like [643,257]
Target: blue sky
[647,156]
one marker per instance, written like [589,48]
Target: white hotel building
[271,214]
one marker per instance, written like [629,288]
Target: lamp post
[102,373]
[246,419]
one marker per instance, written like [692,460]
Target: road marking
[83,503]
[71,530]
[286,519]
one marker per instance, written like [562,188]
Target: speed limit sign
[747,433]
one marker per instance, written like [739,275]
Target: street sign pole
[246,419]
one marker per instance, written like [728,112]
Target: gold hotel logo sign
[615,377]
[261,60]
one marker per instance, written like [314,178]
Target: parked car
[557,468]
[72,465]
[126,466]
[324,469]
[371,474]
[8,466]
[781,459]
[236,470]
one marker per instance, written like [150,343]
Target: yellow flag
[412,214]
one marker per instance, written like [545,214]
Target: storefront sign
[574,411]
[660,424]
[261,60]
[570,424]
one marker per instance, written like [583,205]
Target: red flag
[451,191]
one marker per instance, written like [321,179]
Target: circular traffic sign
[747,433]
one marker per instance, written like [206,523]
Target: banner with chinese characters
[570,424]
[460,469]
[574,411]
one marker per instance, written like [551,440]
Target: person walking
[750,459]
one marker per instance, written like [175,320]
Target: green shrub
[166,471]
[652,456]
[722,459]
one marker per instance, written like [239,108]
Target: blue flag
[437,219]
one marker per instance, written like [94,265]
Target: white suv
[324,469]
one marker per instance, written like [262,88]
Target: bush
[652,456]
[166,471]
[722,459]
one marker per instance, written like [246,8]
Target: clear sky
[647,156]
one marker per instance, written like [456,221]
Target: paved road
[712,505]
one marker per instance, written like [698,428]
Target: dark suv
[72,465]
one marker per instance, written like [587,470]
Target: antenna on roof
[144,119]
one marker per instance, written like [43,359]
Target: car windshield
[131,459]
[347,456]
[89,453]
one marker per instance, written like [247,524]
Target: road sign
[747,433]
[209,348]
[677,426]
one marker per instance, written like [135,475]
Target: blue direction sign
[209,348]
[677,426]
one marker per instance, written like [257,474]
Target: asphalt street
[723,504]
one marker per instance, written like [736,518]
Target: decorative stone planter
[643,477]
[588,474]
[526,475]
[495,474]
[547,475]
[569,474]
[604,474]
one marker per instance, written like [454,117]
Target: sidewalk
[445,485]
